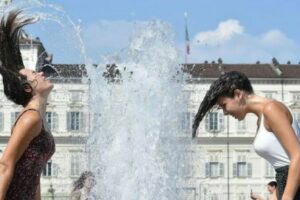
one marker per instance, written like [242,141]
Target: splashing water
[133,144]
[61,33]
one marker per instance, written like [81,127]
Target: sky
[238,31]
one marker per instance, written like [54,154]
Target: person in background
[272,189]
[82,187]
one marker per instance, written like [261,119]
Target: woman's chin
[50,87]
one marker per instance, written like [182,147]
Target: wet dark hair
[14,83]
[273,184]
[78,184]
[223,86]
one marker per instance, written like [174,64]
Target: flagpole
[187,40]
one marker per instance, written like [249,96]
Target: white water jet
[133,143]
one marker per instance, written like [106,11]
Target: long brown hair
[14,83]
[78,184]
[223,86]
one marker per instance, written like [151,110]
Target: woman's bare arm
[278,121]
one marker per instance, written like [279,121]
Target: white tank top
[268,146]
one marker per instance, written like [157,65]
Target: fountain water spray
[133,143]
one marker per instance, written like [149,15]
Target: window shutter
[82,121]
[207,122]
[182,121]
[50,168]
[55,121]
[221,121]
[249,169]
[221,165]
[45,170]
[69,121]
[207,170]
[54,169]
[189,117]
[13,117]
[234,169]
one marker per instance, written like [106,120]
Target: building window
[241,126]
[214,122]
[241,168]
[186,193]
[76,121]
[269,170]
[184,164]
[296,96]
[241,196]
[214,168]
[50,169]
[76,163]
[52,120]
[186,121]
[13,117]
[4,2]
[214,197]
[270,95]
[296,116]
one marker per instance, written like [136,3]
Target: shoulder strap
[22,114]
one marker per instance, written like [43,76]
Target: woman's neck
[255,104]
[39,103]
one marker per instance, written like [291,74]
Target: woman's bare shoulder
[275,107]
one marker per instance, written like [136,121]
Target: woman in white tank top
[278,135]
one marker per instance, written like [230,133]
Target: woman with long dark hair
[30,145]
[82,187]
[272,187]
[278,134]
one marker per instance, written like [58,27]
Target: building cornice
[253,80]
[224,140]
[58,139]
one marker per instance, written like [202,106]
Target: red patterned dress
[29,167]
